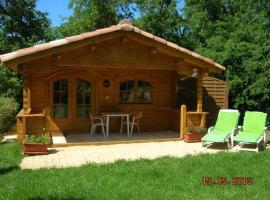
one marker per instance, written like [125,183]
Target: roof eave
[24,55]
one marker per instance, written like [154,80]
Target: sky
[57,9]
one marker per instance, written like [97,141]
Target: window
[83,98]
[60,98]
[135,91]
[127,91]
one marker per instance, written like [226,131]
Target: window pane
[79,99]
[83,98]
[144,92]
[64,85]
[86,99]
[60,111]
[126,97]
[131,85]
[127,90]
[141,84]
[123,86]
[64,98]
[56,98]
[60,98]
[56,85]
[83,111]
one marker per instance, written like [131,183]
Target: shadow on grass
[7,170]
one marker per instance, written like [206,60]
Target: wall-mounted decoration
[106,83]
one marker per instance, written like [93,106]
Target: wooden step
[58,138]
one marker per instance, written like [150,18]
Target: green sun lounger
[253,130]
[224,128]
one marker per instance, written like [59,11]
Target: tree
[90,15]
[21,25]
[161,18]
[237,35]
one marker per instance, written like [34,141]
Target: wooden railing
[187,118]
[22,119]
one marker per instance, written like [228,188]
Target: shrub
[8,110]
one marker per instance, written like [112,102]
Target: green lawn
[165,178]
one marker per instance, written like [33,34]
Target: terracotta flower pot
[193,137]
[35,148]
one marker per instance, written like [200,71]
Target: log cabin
[119,68]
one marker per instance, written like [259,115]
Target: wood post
[47,119]
[199,93]
[183,120]
[203,120]
[26,96]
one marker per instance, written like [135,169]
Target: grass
[164,178]
[10,157]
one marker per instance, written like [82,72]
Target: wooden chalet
[120,68]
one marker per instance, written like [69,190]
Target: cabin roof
[124,26]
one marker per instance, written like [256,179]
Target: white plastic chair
[95,122]
[135,121]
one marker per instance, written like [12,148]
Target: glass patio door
[71,103]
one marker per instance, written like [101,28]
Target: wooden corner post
[199,93]
[183,120]
[26,91]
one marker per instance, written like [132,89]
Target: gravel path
[79,155]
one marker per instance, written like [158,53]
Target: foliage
[43,138]
[237,35]
[90,15]
[191,129]
[21,25]
[10,83]
[8,110]
[162,18]
[163,178]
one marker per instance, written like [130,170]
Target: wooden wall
[215,97]
[157,116]
[115,60]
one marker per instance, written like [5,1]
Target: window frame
[136,88]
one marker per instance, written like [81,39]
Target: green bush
[8,110]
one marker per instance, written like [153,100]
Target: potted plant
[36,145]
[194,134]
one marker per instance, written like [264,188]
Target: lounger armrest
[235,131]
[240,128]
[210,129]
[266,135]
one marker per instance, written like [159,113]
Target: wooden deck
[98,139]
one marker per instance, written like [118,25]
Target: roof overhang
[17,58]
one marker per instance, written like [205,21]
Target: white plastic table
[115,114]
